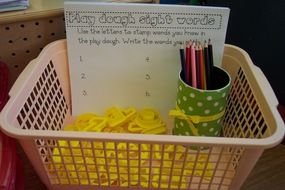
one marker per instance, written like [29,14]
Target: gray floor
[269,172]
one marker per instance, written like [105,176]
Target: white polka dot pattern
[202,103]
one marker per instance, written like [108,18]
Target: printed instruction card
[127,55]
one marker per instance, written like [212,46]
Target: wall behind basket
[22,41]
[258,28]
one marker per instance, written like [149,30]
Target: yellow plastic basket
[40,106]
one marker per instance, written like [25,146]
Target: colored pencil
[182,60]
[187,64]
[198,66]
[211,60]
[207,65]
[193,66]
[203,72]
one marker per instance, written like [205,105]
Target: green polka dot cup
[199,111]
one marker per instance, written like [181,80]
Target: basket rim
[21,134]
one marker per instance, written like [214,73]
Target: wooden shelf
[37,9]
[46,8]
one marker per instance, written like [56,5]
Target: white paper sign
[128,54]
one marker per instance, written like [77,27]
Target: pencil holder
[199,112]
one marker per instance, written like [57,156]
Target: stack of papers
[11,5]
